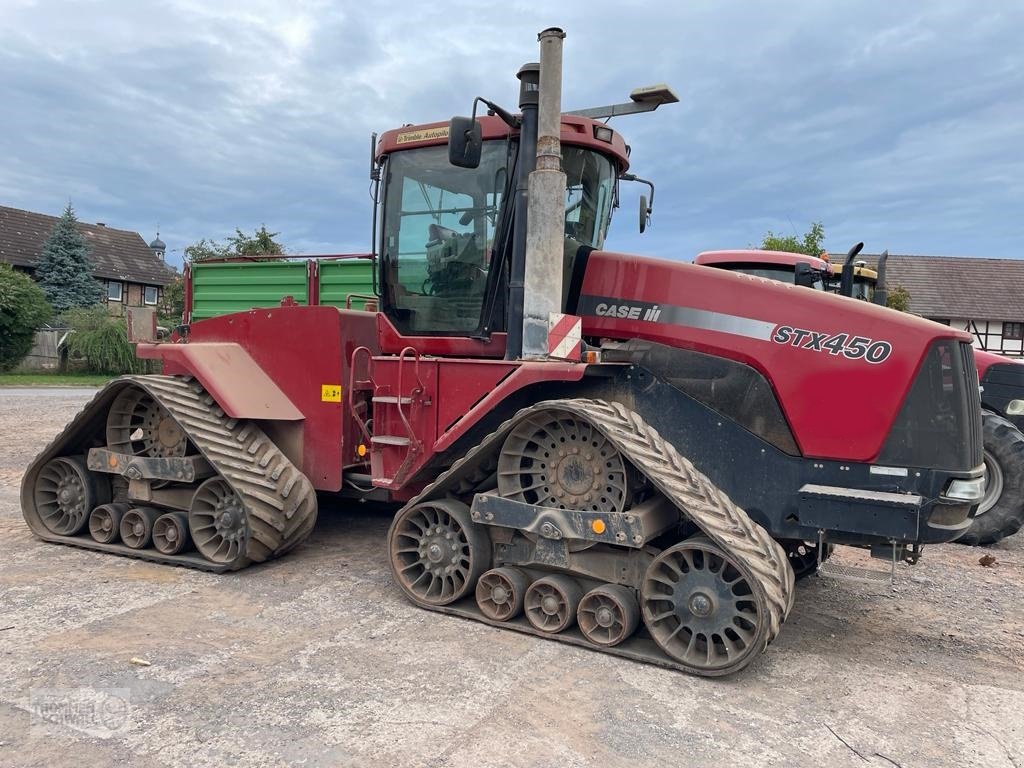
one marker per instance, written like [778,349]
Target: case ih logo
[628,311]
[850,347]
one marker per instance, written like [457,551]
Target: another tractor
[603,449]
[1001,511]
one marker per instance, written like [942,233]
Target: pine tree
[65,271]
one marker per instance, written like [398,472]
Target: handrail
[417,390]
[352,387]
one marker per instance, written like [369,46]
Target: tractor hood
[814,348]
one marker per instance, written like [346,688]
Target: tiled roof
[957,286]
[116,253]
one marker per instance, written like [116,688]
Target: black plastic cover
[939,425]
[730,388]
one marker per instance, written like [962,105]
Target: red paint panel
[463,383]
[457,394]
[392,342]
[299,349]
[782,258]
[576,131]
[808,383]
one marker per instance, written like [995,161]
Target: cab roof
[755,256]
[576,131]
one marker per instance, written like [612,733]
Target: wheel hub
[550,605]
[499,595]
[605,617]
[701,605]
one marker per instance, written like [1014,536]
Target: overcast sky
[897,123]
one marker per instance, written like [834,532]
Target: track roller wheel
[703,608]
[608,614]
[217,522]
[137,526]
[170,533]
[500,593]
[437,553]
[65,494]
[105,522]
[551,603]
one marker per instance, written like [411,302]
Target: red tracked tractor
[608,450]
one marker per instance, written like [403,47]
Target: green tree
[204,250]
[102,341]
[810,243]
[172,302]
[23,308]
[898,298]
[260,243]
[65,270]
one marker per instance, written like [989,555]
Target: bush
[102,341]
[23,308]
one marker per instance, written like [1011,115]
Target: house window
[1013,331]
[114,291]
[942,320]
[151,294]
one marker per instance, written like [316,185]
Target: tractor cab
[863,285]
[446,230]
[796,268]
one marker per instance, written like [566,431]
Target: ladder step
[830,570]
[362,385]
[392,399]
[390,440]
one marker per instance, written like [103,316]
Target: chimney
[546,207]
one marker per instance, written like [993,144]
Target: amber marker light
[598,527]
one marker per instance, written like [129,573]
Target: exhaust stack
[546,207]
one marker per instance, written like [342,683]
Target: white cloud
[883,120]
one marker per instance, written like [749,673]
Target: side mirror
[804,275]
[465,142]
[645,213]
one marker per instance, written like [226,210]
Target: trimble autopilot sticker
[425,134]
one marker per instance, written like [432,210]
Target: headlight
[966,490]
[1015,408]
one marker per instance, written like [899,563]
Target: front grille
[975,439]
[939,425]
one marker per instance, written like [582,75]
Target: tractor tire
[1001,512]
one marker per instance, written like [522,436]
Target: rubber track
[279,499]
[693,493]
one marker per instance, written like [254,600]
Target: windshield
[438,234]
[439,226]
[781,273]
[589,189]
[863,288]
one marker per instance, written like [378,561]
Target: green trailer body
[224,287]
[344,278]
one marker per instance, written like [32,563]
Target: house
[984,297]
[133,273]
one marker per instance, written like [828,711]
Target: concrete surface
[317,660]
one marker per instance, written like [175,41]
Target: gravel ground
[317,660]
